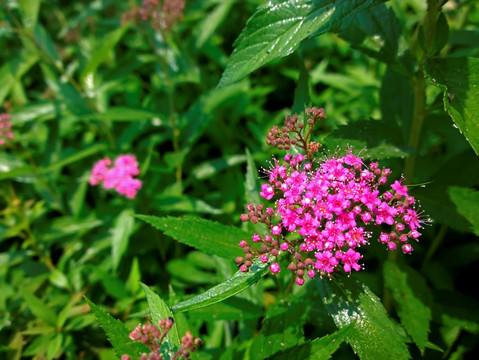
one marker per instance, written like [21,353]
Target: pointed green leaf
[118,334]
[277,28]
[459,78]
[375,335]
[318,349]
[159,310]
[237,283]
[205,235]
[121,233]
[412,297]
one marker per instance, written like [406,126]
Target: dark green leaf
[13,70]
[466,201]
[237,283]
[184,204]
[318,349]
[158,311]
[39,308]
[282,327]
[302,99]
[206,235]
[277,28]
[118,334]
[458,77]
[412,297]
[375,335]
[376,32]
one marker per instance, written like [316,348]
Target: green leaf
[118,334]
[208,168]
[159,310]
[39,308]
[211,21]
[183,203]
[375,335]
[318,349]
[374,139]
[412,298]
[13,70]
[29,10]
[206,235]
[376,32]
[107,44]
[121,113]
[466,201]
[251,184]
[302,99]
[121,233]
[54,346]
[277,28]
[77,156]
[282,327]
[46,43]
[237,283]
[458,77]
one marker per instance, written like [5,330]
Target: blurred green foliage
[80,85]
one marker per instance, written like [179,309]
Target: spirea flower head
[118,177]
[324,209]
[153,336]
[5,129]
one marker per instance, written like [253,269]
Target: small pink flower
[275,268]
[299,281]
[256,238]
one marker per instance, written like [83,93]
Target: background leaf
[319,349]
[459,78]
[375,335]
[412,298]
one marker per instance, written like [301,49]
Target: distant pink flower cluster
[118,177]
[324,210]
[161,14]
[5,128]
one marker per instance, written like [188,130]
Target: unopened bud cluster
[153,337]
[5,129]
[293,132]
[324,210]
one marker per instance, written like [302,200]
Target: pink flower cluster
[118,177]
[320,215]
[5,128]
[161,14]
[153,336]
